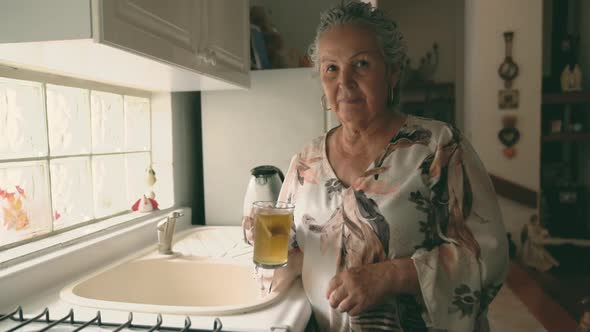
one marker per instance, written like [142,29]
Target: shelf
[427,92]
[566,137]
[566,98]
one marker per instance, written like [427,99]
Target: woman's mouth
[350,100]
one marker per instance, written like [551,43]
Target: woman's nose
[345,78]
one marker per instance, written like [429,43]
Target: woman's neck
[356,139]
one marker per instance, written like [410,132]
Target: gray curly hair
[389,37]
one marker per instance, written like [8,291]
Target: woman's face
[353,73]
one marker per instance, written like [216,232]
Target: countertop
[289,313]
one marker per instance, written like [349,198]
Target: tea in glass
[272,222]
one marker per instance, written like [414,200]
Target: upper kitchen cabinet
[155,45]
[225,36]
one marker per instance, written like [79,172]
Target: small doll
[148,202]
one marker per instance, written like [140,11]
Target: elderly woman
[396,224]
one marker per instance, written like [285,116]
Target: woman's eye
[330,68]
[361,64]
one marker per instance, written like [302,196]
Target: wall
[485,21]
[188,153]
[266,124]
[176,122]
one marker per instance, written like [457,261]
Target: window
[71,155]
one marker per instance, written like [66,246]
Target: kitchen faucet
[166,232]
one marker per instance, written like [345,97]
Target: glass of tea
[272,223]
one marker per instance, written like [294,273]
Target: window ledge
[78,237]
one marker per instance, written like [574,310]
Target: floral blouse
[427,197]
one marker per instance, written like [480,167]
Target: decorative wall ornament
[508,99]
[508,71]
[509,135]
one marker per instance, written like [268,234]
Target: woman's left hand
[360,288]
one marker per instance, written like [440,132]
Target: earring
[391,96]
[324,103]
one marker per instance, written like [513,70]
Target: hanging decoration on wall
[509,135]
[508,98]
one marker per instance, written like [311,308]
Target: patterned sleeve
[463,272]
[288,194]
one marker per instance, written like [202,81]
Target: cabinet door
[225,37]
[167,31]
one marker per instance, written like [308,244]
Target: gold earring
[324,103]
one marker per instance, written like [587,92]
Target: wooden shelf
[566,137]
[566,98]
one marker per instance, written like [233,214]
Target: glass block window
[23,130]
[108,122]
[24,200]
[71,191]
[68,120]
[70,156]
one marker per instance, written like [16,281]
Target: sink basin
[181,284]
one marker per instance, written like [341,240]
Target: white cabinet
[152,28]
[208,36]
[222,33]
[157,45]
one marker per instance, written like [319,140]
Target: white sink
[219,283]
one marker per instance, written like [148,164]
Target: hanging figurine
[148,202]
[509,135]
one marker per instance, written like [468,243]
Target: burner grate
[22,321]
